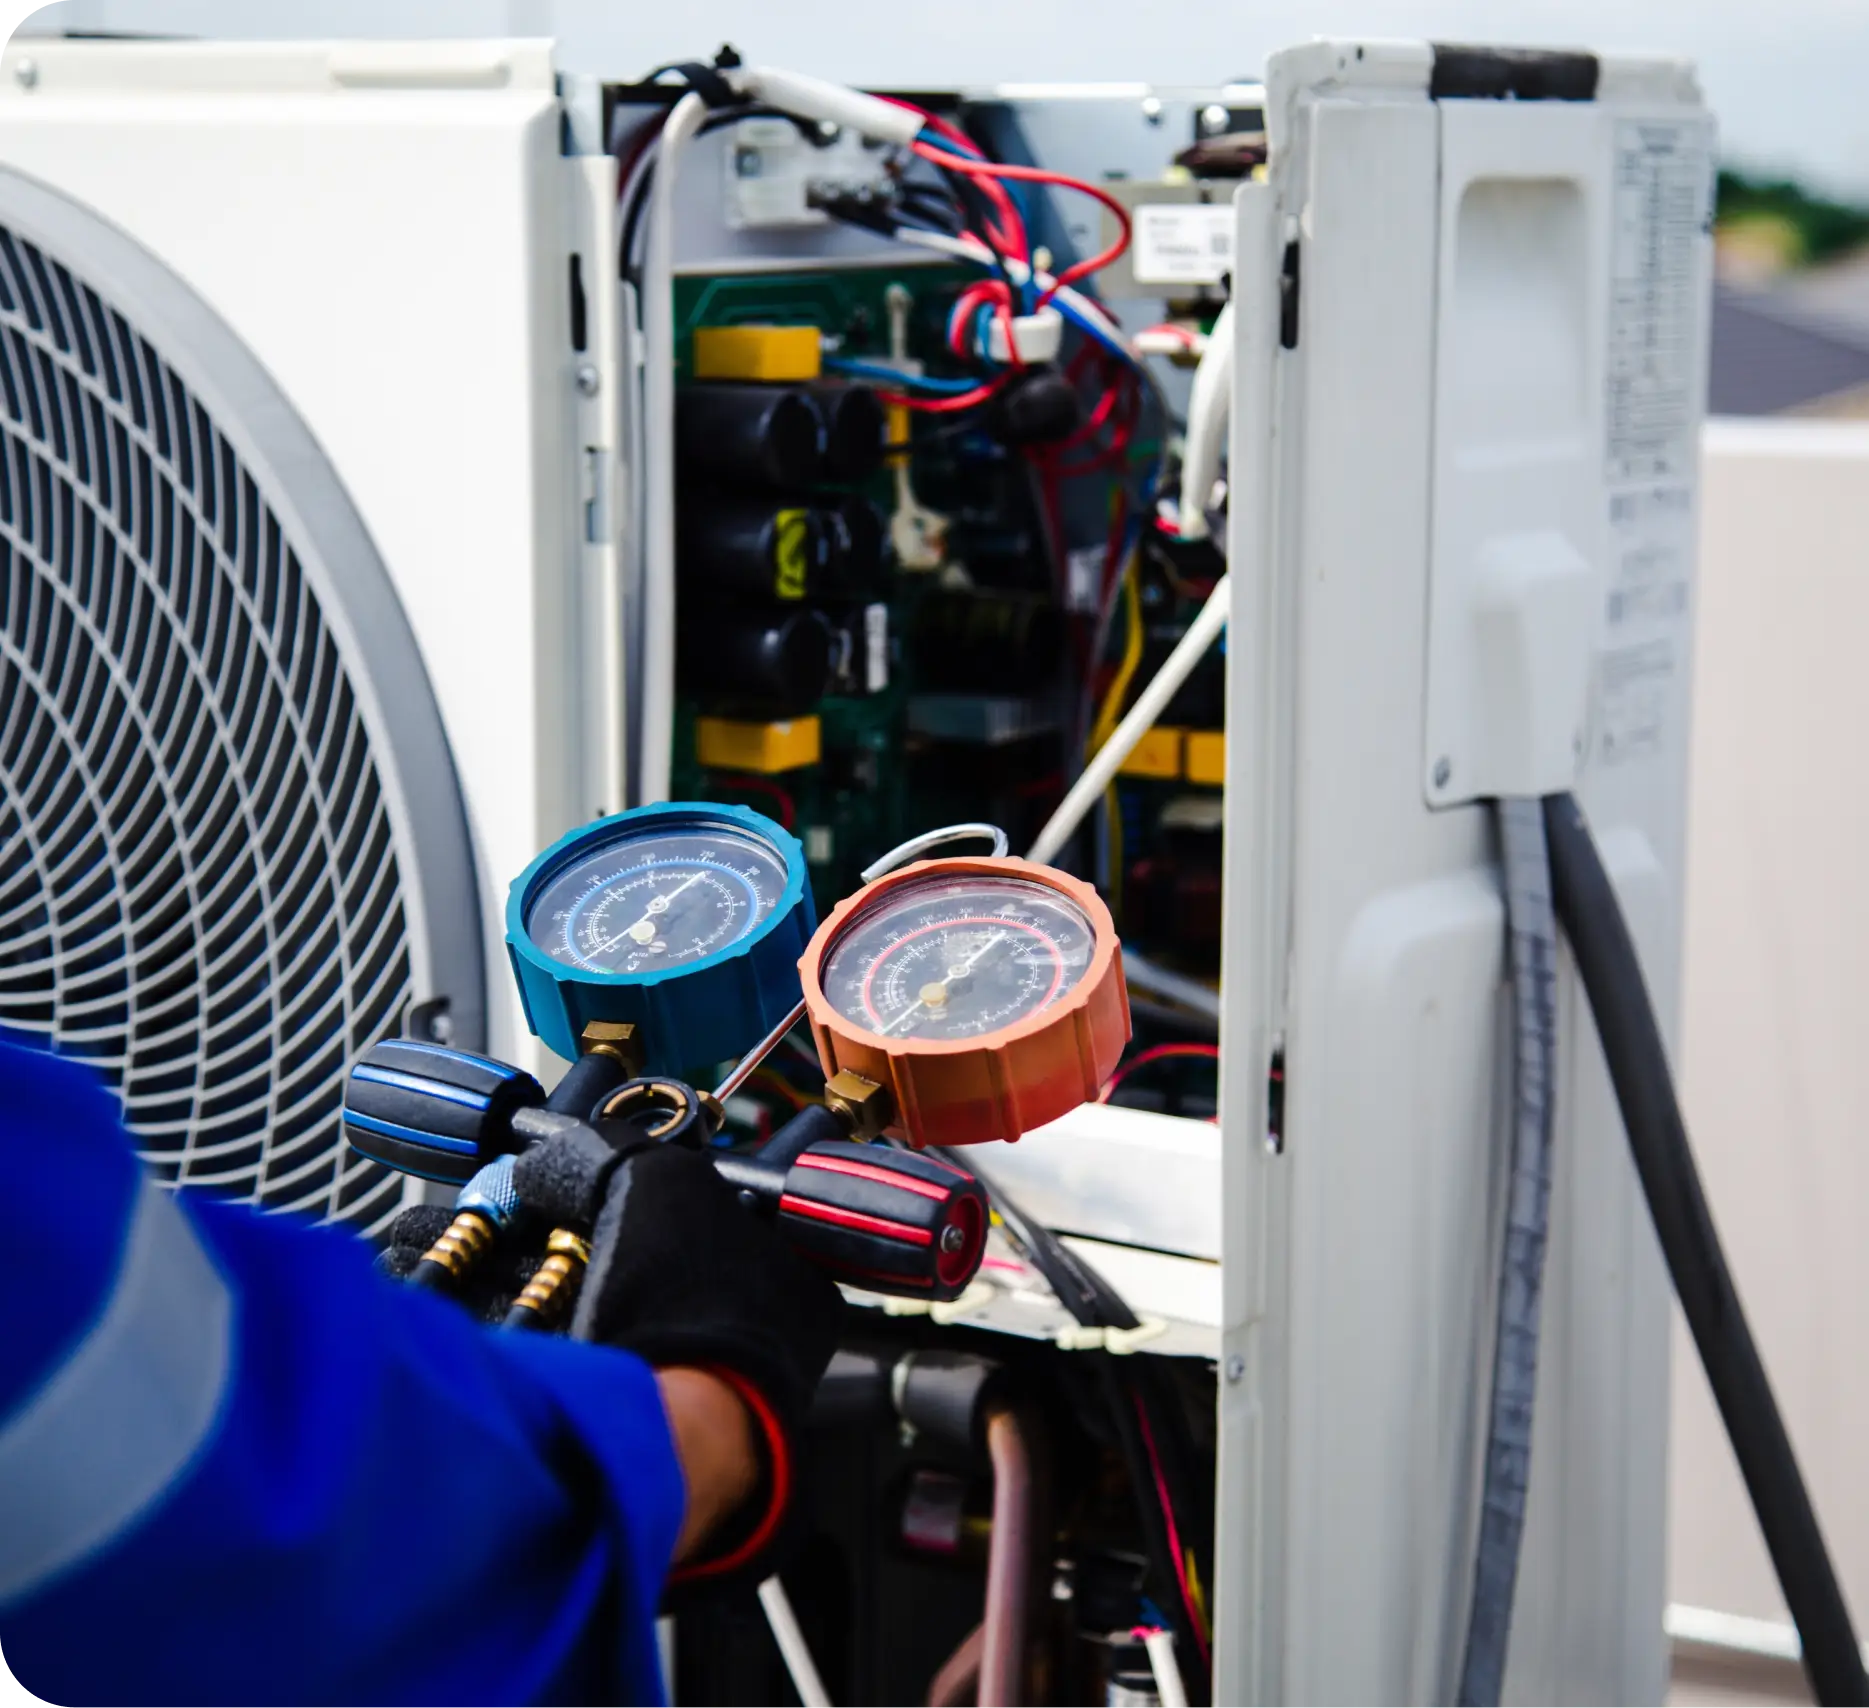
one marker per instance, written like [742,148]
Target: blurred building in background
[1791,309]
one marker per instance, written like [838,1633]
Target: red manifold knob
[888,1220]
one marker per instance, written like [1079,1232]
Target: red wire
[788,812]
[967,305]
[1004,316]
[992,169]
[1157,1053]
[946,405]
[1008,235]
[1174,1535]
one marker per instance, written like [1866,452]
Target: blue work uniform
[237,1465]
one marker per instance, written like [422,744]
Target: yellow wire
[1111,711]
[1109,714]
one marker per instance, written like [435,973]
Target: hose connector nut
[863,1105]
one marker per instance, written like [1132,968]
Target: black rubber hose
[1638,1066]
[1531,954]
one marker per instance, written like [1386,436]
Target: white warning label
[1645,612]
[1181,243]
[1663,189]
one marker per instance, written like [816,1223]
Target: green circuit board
[856,802]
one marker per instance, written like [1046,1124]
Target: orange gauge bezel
[966,1091]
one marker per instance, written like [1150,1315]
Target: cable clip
[944,1311]
[1084,1337]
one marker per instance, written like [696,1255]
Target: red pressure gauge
[987,995]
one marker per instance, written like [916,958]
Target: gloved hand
[682,1273]
[491,1284]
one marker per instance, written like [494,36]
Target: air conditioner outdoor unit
[313,400]
[306,489]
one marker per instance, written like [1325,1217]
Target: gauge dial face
[957,958]
[659,899]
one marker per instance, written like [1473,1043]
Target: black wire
[639,199]
[1592,919]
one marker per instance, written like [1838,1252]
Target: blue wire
[894,376]
[1092,330]
[935,139]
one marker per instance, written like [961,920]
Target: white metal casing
[1365,929]
[387,227]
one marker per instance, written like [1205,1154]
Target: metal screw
[952,1239]
[26,73]
[441,1027]
[1443,771]
[589,380]
[829,130]
[1236,1367]
[1152,108]
[1214,120]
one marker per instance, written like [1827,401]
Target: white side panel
[1516,576]
[1361,1262]
[387,231]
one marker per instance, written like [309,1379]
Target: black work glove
[489,1287]
[682,1273]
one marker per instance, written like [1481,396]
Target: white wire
[1206,437]
[793,1649]
[1140,718]
[1168,1685]
[972,249]
[658,456]
[1144,974]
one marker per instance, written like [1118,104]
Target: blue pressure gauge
[685,918]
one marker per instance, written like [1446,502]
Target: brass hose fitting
[459,1248]
[554,1283]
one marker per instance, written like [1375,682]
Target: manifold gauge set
[950,1001]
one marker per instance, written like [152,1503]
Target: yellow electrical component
[765,353]
[896,431]
[1157,754]
[1206,760]
[726,744]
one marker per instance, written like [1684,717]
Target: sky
[1789,80]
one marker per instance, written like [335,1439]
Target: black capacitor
[1037,406]
[857,535]
[776,665]
[854,426]
[980,643]
[752,435]
[752,546]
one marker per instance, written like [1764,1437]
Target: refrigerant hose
[1531,936]
[1592,920]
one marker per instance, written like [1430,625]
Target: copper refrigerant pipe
[1008,1564]
[958,1682]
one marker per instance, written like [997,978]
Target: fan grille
[199,885]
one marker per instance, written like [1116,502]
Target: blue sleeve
[384,1501]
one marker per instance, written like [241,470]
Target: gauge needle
[659,905]
[941,985]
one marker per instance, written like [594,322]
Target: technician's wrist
[716,1440]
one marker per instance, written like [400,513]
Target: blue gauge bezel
[541,975]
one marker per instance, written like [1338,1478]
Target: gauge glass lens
[959,957]
[657,899]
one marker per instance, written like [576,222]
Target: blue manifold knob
[438,1113]
[684,919]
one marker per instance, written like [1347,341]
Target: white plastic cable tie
[1120,1342]
[978,1295]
